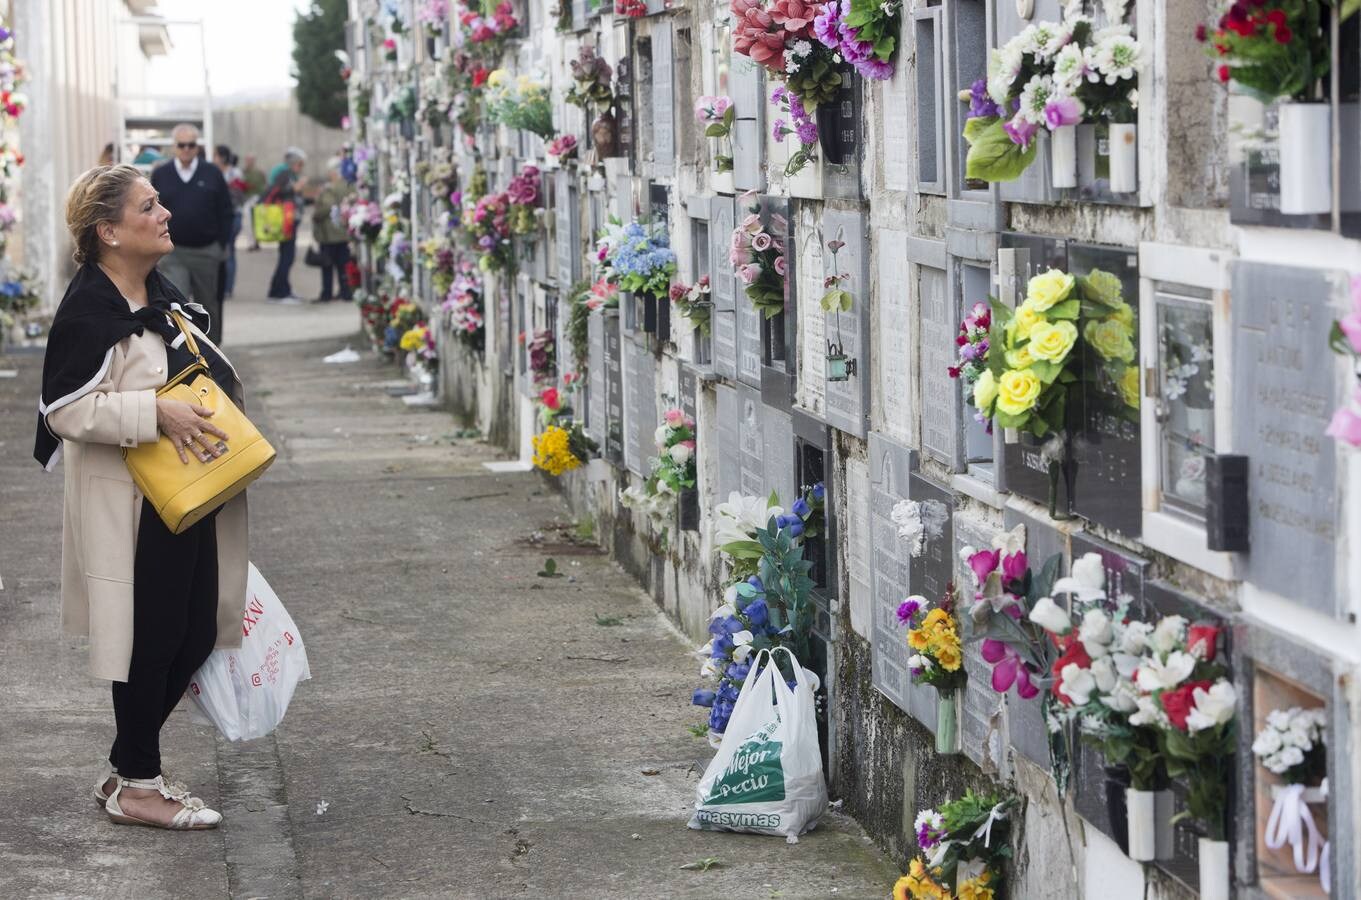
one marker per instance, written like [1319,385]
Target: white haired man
[200,205]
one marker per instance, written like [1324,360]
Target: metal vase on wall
[1305,153]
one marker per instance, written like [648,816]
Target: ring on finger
[187,441]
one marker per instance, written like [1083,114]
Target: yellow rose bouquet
[1030,357]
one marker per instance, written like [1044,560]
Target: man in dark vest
[200,207]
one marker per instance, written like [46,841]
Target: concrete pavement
[471,729]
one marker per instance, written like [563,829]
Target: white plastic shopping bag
[767,775]
[246,692]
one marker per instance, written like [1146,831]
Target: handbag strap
[189,341]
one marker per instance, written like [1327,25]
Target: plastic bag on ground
[245,692]
[767,775]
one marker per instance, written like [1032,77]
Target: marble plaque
[688,388]
[723,287]
[984,709]
[1125,572]
[812,384]
[596,399]
[897,124]
[750,442]
[663,101]
[1284,396]
[890,467]
[859,548]
[749,325]
[747,82]
[848,401]
[940,393]
[614,391]
[894,348]
[640,407]
[567,231]
[932,568]
[729,413]
[777,437]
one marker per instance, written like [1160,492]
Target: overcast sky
[249,46]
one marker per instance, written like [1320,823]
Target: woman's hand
[187,426]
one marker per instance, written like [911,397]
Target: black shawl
[92,318]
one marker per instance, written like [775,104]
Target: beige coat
[103,507]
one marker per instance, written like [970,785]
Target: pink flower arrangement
[563,146]
[710,110]
[524,188]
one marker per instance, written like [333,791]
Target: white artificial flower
[703,652]
[930,818]
[741,645]
[1114,9]
[1042,37]
[1087,580]
[1070,69]
[1171,631]
[730,594]
[741,517]
[917,661]
[727,608]
[1060,35]
[1279,719]
[660,436]
[1123,698]
[1132,637]
[709,669]
[1103,670]
[680,454]
[1156,676]
[1267,742]
[1050,616]
[1117,57]
[1147,712]
[1034,96]
[1213,707]
[1296,736]
[1077,683]
[1288,757]
[1126,663]
[1004,66]
[1095,633]
[1009,542]
[1133,104]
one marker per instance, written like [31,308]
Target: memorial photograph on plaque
[1186,398]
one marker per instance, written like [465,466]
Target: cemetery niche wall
[1205,449]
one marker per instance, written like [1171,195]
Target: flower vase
[828,117]
[663,319]
[1061,472]
[1214,869]
[1063,156]
[649,317]
[949,705]
[1304,145]
[1141,816]
[687,505]
[1123,142]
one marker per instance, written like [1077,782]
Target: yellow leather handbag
[183,494]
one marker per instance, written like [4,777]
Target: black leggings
[174,627]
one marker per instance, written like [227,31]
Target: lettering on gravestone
[728,408]
[930,562]
[940,392]
[614,391]
[890,465]
[982,705]
[663,102]
[748,342]
[1281,318]
[895,335]
[812,386]
[567,225]
[595,380]
[688,388]
[750,441]
[723,287]
[640,397]
[777,437]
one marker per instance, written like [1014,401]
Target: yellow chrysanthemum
[552,452]
[413,339]
[976,888]
[902,886]
[935,617]
[949,658]
[918,638]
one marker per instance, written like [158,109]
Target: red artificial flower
[1179,702]
[1074,653]
[1201,32]
[480,76]
[1201,640]
[549,398]
[1284,35]
[1277,17]
[1223,73]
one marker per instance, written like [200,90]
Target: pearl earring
[115,243]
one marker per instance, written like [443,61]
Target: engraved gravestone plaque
[614,391]
[848,401]
[688,388]
[895,335]
[640,398]
[729,413]
[930,566]
[1281,319]
[812,383]
[746,82]
[595,380]
[750,441]
[777,436]
[890,466]
[663,101]
[567,231]
[984,708]
[748,342]
[723,288]
[940,392]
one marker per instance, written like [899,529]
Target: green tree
[317,35]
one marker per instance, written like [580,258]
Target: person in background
[225,161]
[147,156]
[329,231]
[283,180]
[255,186]
[200,205]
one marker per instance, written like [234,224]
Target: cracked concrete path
[470,729]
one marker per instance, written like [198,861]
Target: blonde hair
[97,196]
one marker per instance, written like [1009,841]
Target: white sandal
[195,816]
[178,789]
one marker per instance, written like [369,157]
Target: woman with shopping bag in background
[147,596]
